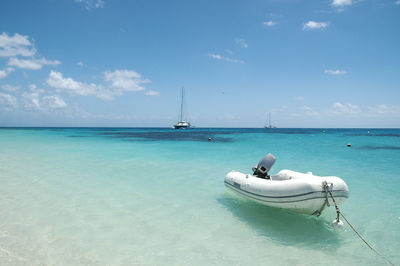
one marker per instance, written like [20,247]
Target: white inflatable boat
[298,192]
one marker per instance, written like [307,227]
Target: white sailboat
[269,122]
[182,124]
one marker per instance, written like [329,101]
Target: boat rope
[338,213]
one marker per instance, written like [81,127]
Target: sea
[156,196]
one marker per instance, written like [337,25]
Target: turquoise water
[93,196]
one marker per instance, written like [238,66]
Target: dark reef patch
[198,134]
[187,135]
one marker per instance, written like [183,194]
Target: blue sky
[325,63]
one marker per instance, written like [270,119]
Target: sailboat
[269,122]
[182,124]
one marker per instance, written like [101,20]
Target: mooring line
[326,188]
[365,241]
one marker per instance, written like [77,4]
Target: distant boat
[182,124]
[269,122]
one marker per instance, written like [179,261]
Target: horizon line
[155,127]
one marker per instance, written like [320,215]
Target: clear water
[94,196]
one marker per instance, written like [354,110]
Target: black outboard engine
[262,168]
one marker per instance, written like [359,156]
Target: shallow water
[101,196]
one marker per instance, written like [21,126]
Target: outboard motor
[262,168]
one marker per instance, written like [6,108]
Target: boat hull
[182,125]
[302,195]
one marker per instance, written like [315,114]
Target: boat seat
[280,177]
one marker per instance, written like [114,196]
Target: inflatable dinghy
[294,191]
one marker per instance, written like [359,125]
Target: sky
[118,63]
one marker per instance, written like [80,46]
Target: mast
[269,121]
[182,97]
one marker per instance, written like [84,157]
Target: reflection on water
[281,226]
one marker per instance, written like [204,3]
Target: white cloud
[299,98]
[125,80]
[99,3]
[152,93]
[34,102]
[20,45]
[385,109]
[31,100]
[215,56]
[270,23]
[33,64]
[80,63]
[57,81]
[54,102]
[89,4]
[309,111]
[15,45]
[33,88]
[120,81]
[227,59]
[335,72]
[232,60]
[4,73]
[8,102]
[342,3]
[342,112]
[242,42]
[10,88]
[339,108]
[312,25]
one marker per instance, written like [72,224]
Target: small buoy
[209,139]
[348,144]
[337,224]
